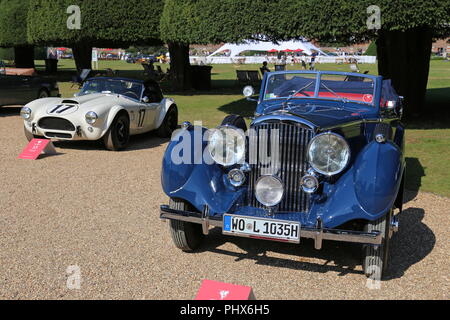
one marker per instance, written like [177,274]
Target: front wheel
[118,135]
[186,236]
[376,258]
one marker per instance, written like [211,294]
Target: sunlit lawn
[428,142]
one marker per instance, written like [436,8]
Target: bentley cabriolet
[323,159]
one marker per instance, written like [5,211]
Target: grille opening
[291,164]
[58,135]
[52,123]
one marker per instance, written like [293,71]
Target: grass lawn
[427,140]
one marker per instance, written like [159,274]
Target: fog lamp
[309,184]
[269,191]
[236,177]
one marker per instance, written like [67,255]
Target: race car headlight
[227,146]
[91,117]
[269,191]
[328,154]
[25,113]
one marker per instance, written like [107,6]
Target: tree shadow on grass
[241,107]
[437,112]
[414,174]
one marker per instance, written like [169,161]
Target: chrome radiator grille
[290,142]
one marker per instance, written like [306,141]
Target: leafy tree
[403,41]
[104,23]
[13,31]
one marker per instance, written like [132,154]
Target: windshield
[129,89]
[332,86]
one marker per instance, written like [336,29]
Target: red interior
[367,98]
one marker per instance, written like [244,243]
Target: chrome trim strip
[372,238]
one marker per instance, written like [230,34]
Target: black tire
[118,135]
[43,93]
[186,236]
[170,123]
[236,121]
[30,136]
[376,259]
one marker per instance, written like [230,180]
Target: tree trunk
[404,57]
[180,66]
[24,57]
[83,56]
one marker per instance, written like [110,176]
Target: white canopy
[248,45]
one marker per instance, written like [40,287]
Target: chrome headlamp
[25,113]
[91,117]
[328,153]
[227,146]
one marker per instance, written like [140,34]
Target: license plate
[259,228]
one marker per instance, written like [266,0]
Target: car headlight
[25,113]
[227,146]
[328,154]
[269,191]
[91,117]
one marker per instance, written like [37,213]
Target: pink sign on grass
[213,290]
[36,147]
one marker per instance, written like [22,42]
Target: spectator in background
[264,68]
[312,65]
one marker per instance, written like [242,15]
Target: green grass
[428,140]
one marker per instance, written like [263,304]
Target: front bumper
[318,234]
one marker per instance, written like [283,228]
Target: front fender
[367,190]
[378,176]
[165,106]
[186,175]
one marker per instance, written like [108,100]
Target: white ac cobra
[106,108]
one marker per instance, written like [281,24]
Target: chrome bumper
[318,234]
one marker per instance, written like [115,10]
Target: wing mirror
[145,99]
[248,92]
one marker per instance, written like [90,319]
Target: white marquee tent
[265,46]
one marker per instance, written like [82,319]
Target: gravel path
[99,210]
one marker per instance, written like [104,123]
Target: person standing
[312,65]
[264,68]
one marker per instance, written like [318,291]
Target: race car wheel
[169,124]
[31,136]
[376,258]
[118,135]
[235,121]
[186,236]
[43,94]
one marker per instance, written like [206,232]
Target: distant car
[323,159]
[21,89]
[106,108]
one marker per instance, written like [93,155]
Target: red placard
[36,147]
[213,290]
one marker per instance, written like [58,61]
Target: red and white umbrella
[273,51]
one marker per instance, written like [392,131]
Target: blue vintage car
[323,159]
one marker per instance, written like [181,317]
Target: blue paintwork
[366,190]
